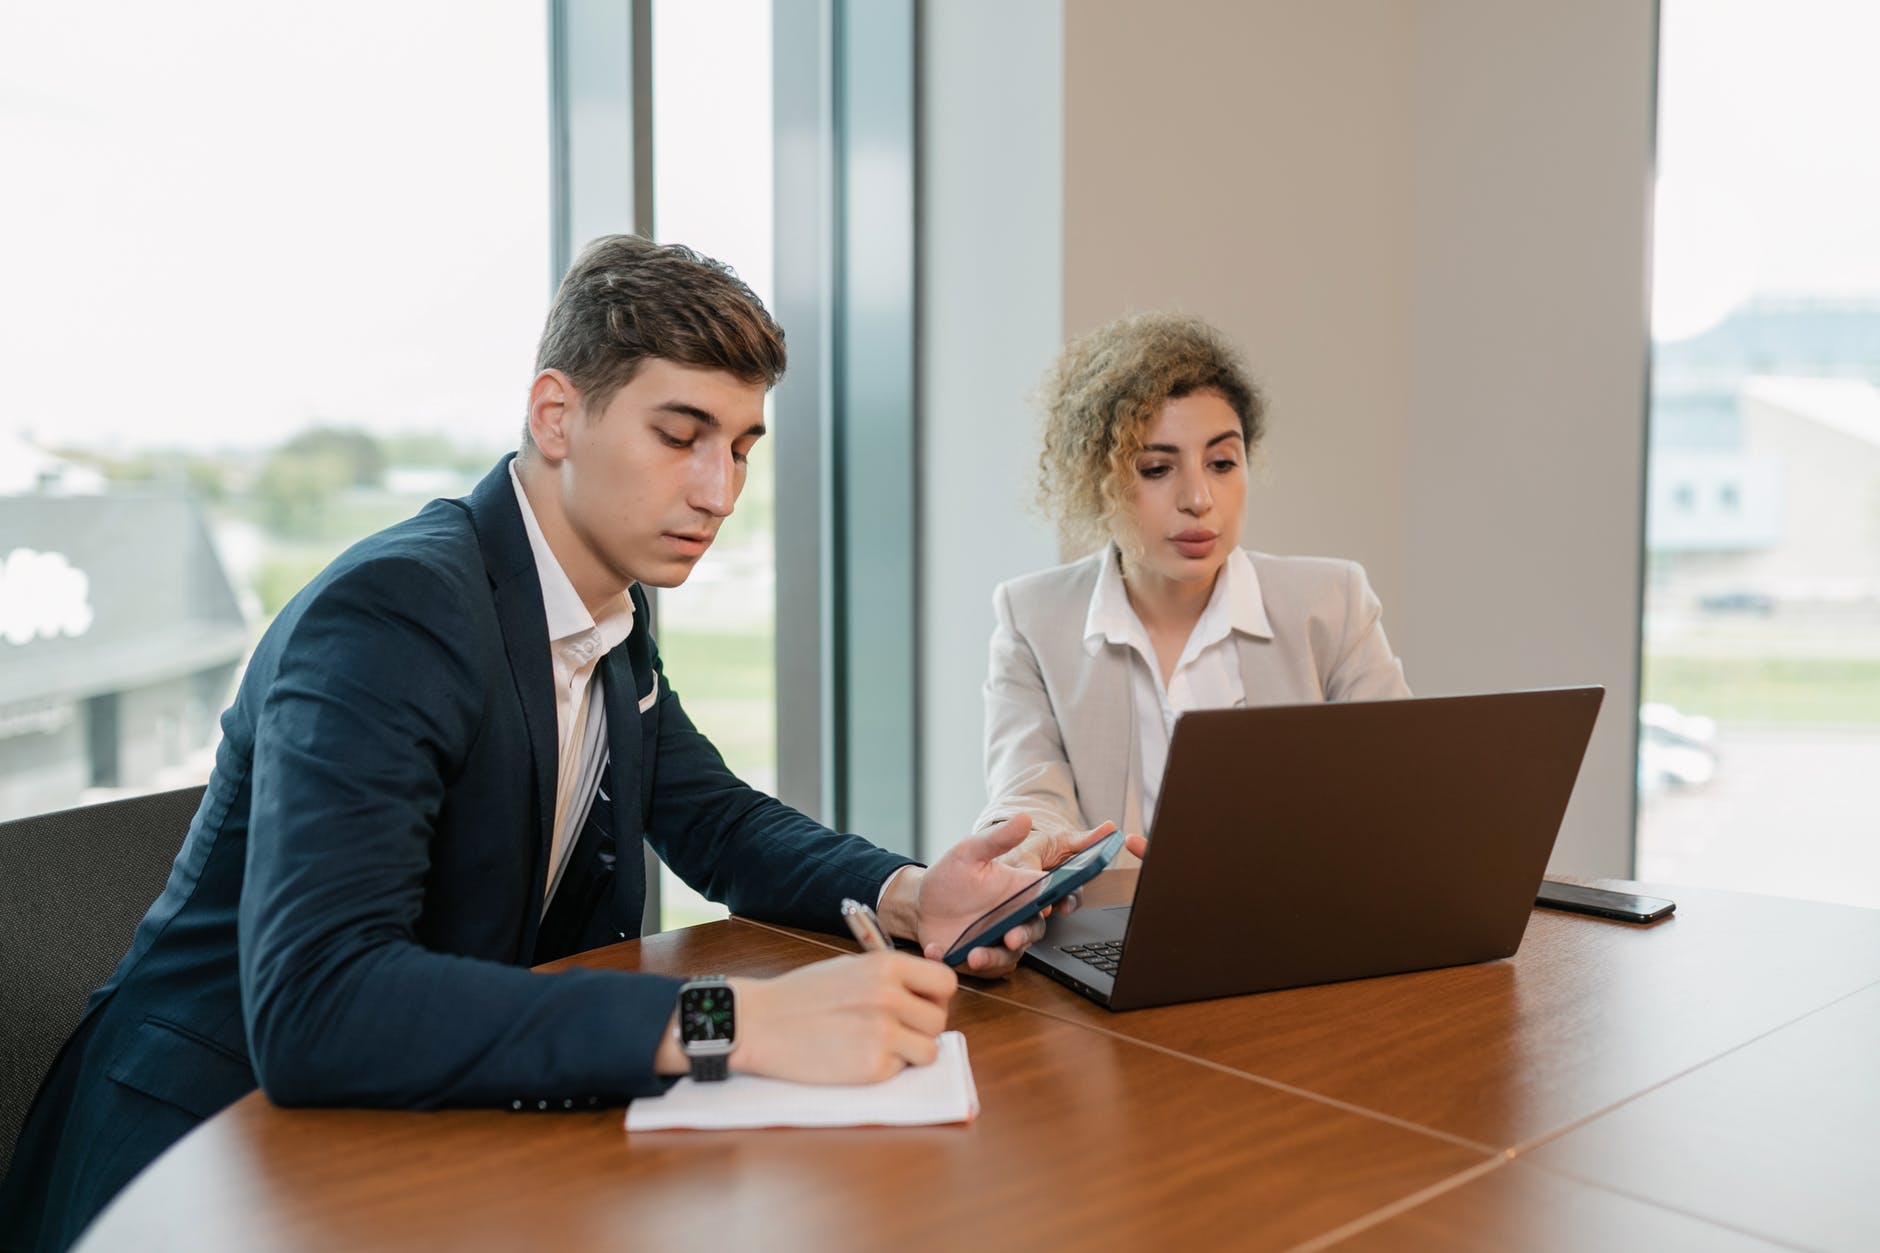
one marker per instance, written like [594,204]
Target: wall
[1530,351]
[1425,224]
[1250,163]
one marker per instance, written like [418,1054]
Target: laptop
[1303,844]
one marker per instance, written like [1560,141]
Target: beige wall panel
[1529,344]
[1426,225]
[1250,163]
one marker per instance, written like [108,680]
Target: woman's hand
[1046,850]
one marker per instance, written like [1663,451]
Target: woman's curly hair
[1100,397]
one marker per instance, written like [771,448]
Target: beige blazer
[1058,719]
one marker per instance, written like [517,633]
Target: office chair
[73,885]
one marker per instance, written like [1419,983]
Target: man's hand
[933,906]
[1045,850]
[846,1020]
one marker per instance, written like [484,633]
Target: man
[438,770]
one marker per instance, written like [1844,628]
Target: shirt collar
[567,616]
[1246,607]
[1110,618]
[1236,605]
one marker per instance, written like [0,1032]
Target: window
[1760,722]
[274,279]
[832,85]
[712,191]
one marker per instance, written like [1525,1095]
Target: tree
[299,478]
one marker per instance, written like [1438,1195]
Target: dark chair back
[73,886]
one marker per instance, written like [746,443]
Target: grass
[728,683]
[718,665]
[286,569]
[339,520]
[1785,689]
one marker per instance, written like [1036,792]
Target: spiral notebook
[941,1092]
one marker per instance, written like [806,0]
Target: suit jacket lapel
[1100,743]
[631,679]
[623,786]
[517,591]
[1131,821]
[525,639]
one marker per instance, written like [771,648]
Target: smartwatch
[708,1026]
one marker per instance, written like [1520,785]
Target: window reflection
[712,191]
[273,279]
[1760,728]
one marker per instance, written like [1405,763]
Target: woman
[1149,424]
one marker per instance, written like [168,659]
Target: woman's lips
[1194,543]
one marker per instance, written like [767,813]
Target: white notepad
[938,1093]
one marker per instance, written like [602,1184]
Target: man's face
[647,481]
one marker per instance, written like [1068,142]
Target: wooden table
[1708,1082]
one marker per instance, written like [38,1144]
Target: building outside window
[274,277]
[1760,722]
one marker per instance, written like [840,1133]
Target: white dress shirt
[576,643]
[1207,675]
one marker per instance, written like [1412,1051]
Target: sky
[711,132]
[241,219]
[1769,171]
[226,221]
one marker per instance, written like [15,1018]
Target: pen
[865,926]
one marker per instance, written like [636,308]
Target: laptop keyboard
[1103,954]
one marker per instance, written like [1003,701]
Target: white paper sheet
[939,1093]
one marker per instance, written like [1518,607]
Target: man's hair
[627,300]
[1100,397]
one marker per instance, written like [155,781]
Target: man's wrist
[751,1020]
[671,1058]
[899,906]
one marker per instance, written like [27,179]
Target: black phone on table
[1602,902]
[1026,904]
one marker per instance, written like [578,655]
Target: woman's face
[1190,491]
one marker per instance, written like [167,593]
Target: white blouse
[1207,676]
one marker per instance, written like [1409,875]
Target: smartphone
[1602,903]
[1032,900]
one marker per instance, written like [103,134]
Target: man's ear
[554,406]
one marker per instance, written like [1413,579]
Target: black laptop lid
[1302,844]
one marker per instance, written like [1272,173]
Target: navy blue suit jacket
[354,909]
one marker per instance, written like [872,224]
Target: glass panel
[712,191]
[274,277]
[1760,722]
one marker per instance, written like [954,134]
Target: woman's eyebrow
[1172,450]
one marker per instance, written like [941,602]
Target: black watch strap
[711,1067]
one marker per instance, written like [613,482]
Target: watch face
[705,1014]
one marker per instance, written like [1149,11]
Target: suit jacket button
[541,1105]
[515,1105]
